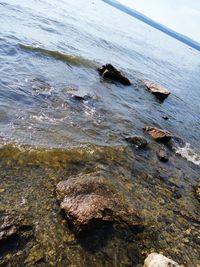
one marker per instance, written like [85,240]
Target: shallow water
[61,46]
[50,52]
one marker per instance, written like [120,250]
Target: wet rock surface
[109,72]
[138,141]
[158,134]
[158,260]
[157,90]
[163,155]
[89,198]
[14,234]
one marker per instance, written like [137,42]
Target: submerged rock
[80,98]
[162,155]
[109,72]
[197,191]
[35,256]
[138,141]
[158,260]
[91,198]
[157,90]
[158,134]
[13,234]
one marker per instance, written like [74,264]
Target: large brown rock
[89,198]
[160,92]
[158,134]
[109,72]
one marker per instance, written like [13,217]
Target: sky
[182,16]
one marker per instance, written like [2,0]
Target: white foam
[43,117]
[188,153]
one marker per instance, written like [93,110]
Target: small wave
[188,153]
[71,59]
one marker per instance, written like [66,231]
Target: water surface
[50,52]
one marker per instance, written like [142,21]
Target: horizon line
[136,14]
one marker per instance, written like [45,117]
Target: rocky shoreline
[100,205]
[165,200]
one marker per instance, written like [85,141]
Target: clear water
[49,51]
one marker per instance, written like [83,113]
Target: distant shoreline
[180,37]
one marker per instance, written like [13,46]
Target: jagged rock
[158,260]
[109,72]
[158,134]
[160,92]
[162,155]
[7,231]
[138,141]
[91,198]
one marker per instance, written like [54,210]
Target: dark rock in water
[109,72]
[165,118]
[90,198]
[80,98]
[160,92]
[13,235]
[138,141]
[163,155]
[158,134]
[178,142]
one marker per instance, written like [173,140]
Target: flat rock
[160,92]
[89,198]
[138,141]
[109,72]
[158,134]
[158,260]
